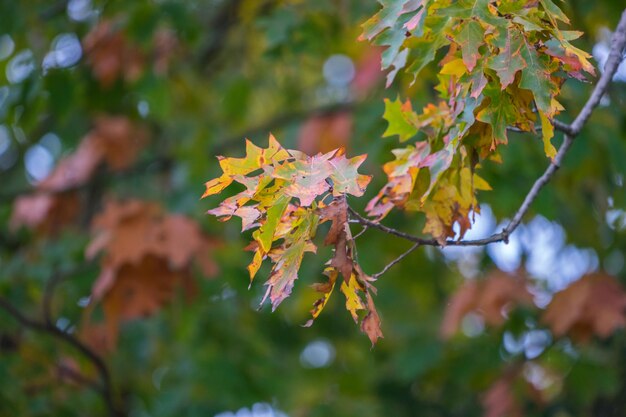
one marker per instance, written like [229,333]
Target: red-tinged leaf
[387,17]
[471,37]
[509,59]
[345,177]
[136,291]
[337,213]
[323,133]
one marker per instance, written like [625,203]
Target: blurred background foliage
[196,77]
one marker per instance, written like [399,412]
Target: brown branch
[618,43]
[49,328]
[395,261]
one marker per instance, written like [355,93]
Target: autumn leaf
[288,257]
[470,37]
[502,61]
[593,305]
[338,235]
[488,297]
[398,122]
[146,255]
[371,322]
[283,202]
[326,288]
[352,288]
[509,60]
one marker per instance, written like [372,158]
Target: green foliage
[180,82]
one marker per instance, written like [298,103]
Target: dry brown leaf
[593,305]
[371,322]
[128,231]
[490,297]
[147,255]
[337,212]
[47,213]
[110,54]
[139,291]
[74,170]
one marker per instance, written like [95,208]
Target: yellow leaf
[455,67]
[547,131]
[353,300]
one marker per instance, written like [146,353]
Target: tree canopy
[451,173]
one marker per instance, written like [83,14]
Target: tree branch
[48,327]
[618,43]
[395,261]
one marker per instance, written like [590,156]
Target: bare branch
[618,43]
[395,261]
[48,327]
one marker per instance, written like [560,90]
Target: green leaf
[396,114]
[509,59]
[536,79]
[499,113]
[288,257]
[274,213]
[470,38]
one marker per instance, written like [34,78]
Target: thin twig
[49,328]
[395,261]
[66,371]
[618,43]
[363,230]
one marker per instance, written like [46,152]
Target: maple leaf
[47,213]
[323,133]
[110,54]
